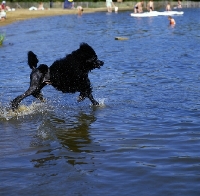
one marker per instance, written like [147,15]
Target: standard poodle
[68,74]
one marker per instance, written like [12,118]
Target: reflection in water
[77,137]
[72,136]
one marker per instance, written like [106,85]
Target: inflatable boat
[168,13]
[144,14]
[156,13]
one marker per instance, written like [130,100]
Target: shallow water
[144,137]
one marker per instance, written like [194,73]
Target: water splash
[23,110]
[101,102]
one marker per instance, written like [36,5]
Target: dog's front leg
[82,96]
[39,96]
[37,93]
[94,102]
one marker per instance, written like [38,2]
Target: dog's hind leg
[31,91]
[15,102]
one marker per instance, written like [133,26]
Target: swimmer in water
[80,10]
[171,20]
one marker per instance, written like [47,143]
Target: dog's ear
[84,46]
[32,60]
[87,49]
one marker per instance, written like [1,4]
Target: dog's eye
[92,59]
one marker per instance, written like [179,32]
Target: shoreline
[24,14]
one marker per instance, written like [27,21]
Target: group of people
[138,8]
[41,7]
[168,6]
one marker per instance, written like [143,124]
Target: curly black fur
[69,74]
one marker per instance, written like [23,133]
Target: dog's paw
[14,105]
[43,100]
[80,98]
[95,103]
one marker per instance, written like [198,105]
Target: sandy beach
[24,14]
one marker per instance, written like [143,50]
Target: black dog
[69,75]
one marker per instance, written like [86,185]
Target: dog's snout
[100,63]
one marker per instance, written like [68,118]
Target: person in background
[51,3]
[4,6]
[138,7]
[171,20]
[168,7]
[2,14]
[150,6]
[179,4]
[109,4]
[80,10]
[40,6]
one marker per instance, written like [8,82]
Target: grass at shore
[1,39]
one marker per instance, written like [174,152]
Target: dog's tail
[32,60]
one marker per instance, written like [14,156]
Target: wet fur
[69,75]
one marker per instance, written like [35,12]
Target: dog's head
[88,55]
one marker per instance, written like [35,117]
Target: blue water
[143,139]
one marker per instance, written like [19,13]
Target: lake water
[143,139]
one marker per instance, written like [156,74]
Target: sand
[24,14]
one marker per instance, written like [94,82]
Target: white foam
[101,102]
[23,110]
